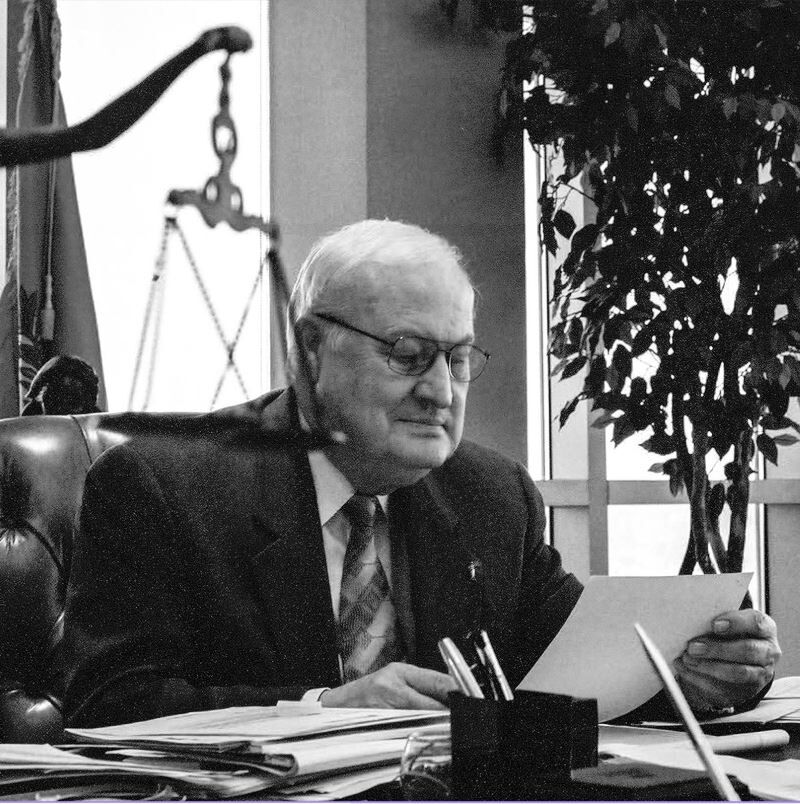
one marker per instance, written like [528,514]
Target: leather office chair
[43,465]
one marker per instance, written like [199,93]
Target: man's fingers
[761,652]
[729,673]
[430,683]
[715,685]
[747,637]
[396,686]
[701,692]
[744,622]
[731,663]
[417,700]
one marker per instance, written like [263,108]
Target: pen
[453,671]
[483,673]
[718,777]
[496,670]
[459,669]
[749,741]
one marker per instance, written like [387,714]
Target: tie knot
[360,510]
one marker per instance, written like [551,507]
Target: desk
[382,792]
[394,791]
[759,770]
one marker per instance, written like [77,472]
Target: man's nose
[436,384]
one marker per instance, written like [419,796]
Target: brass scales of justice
[220,199]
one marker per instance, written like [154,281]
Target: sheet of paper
[46,758]
[785,687]
[256,724]
[781,704]
[597,654]
[767,780]
[340,786]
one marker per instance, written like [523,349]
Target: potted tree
[681,302]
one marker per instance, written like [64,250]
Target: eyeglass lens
[415,356]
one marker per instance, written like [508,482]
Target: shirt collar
[333,489]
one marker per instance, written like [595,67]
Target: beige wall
[782,555]
[380,109]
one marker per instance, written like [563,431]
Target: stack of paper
[782,702]
[297,751]
[767,780]
[779,707]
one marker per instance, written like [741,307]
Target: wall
[381,109]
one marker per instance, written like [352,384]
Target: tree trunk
[738,500]
[685,461]
[697,499]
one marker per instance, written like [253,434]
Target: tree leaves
[660,444]
[568,410]
[612,34]
[564,223]
[729,106]
[767,447]
[777,111]
[621,361]
[672,96]
[574,367]
[681,301]
[672,467]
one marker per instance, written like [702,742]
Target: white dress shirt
[333,491]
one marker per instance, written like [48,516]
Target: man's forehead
[374,280]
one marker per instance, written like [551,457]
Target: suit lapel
[288,561]
[443,596]
[289,558]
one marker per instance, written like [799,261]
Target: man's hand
[396,686]
[732,663]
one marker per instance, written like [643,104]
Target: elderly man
[249,562]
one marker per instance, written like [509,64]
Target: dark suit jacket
[199,577]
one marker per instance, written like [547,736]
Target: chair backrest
[43,466]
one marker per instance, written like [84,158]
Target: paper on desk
[766,780]
[242,726]
[343,785]
[786,687]
[780,705]
[56,762]
[597,654]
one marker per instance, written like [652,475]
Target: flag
[46,306]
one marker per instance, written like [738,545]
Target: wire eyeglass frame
[475,362]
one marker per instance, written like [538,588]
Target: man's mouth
[426,422]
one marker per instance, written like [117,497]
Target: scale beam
[42,143]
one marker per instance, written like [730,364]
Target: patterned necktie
[367,632]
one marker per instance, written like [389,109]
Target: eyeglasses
[413,355]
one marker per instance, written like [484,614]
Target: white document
[597,654]
[254,725]
[786,687]
[331,788]
[54,762]
[766,780]
[782,702]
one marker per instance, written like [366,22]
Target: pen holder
[505,749]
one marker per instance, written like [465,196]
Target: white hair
[368,242]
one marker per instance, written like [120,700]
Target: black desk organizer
[544,747]
[509,749]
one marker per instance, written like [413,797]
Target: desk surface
[394,791]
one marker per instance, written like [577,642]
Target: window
[608,513]
[107,48]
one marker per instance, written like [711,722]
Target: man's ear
[309,341]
